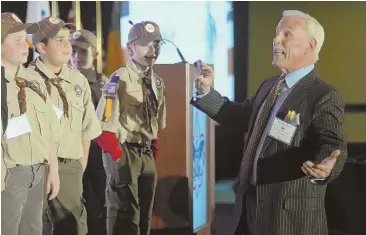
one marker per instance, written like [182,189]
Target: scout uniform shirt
[71,98]
[29,135]
[128,119]
[3,166]
[96,82]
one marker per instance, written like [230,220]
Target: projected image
[199,171]
[201,30]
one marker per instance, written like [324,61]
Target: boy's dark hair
[44,41]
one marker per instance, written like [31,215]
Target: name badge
[18,126]
[282,131]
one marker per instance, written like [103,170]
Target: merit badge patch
[78,91]
[54,20]
[36,83]
[111,89]
[150,28]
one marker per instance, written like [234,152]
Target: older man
[295,135]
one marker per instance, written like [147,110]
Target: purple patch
[111,89]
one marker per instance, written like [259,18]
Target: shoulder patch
[111,87]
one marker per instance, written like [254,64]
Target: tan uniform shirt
[82,123]
[3,166]
[127,120]
[30,148]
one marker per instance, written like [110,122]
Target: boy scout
[70,94]
[4,123]
[28,143]
[132,111]
[84,55]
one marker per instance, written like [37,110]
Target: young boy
[70,93]
[84,55]
[28,143]
[132,110]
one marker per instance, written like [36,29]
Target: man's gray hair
[315,29]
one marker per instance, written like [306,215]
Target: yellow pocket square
[292,118]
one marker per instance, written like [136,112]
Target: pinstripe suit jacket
[288,203]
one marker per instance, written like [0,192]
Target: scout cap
[143,33]
[49,27]
[10,23]
[84,39]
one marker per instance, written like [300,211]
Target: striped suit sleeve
[328,125]
[230,114]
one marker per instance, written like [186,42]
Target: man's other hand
[323,169]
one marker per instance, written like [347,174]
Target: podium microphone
[179,52]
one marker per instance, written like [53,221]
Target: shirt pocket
[77,113]
[134,110]
[42,121]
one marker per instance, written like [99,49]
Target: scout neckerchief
[150,102]
[56,82]
[22,98]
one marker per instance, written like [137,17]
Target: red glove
[108,142]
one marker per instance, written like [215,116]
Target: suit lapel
[293,101]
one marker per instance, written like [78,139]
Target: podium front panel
[184,192]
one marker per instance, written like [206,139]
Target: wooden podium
[186,167]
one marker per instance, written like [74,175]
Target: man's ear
[312,44]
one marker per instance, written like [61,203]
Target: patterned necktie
[57,83]
[22,98]
[150,104]
[246,166]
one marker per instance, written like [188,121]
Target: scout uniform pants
[22,200]
[67,211]
[94,183]
[130,190]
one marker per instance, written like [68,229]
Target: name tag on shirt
[18,126]
[58,112]
[282,131]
